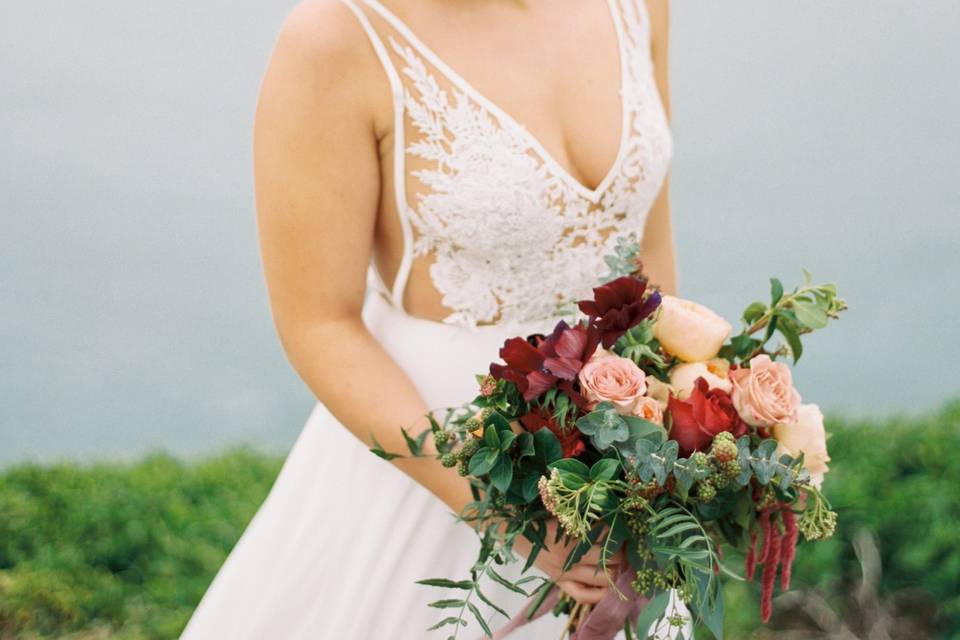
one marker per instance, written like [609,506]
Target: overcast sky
[133,313]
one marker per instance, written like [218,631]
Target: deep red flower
[618,306]
[569,348]
[524,368]
[570,438]
[537,364]
[696,421]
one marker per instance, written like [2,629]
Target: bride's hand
[586,581]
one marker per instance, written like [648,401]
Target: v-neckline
[507,120]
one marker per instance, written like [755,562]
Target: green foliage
[124,551]
[807,308]
[625,260]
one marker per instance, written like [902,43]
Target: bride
[432,177]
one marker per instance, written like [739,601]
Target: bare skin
[321,136]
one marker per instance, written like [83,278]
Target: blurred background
[134,319]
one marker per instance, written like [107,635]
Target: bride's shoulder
[326,30]
[324,55]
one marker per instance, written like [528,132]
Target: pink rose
[806,435]
[690,331]
[763,394]
[715,372]
[649,409]
[613,379]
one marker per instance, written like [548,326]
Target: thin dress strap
[399,169]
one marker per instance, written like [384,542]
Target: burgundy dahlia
[541,363]
[618,306]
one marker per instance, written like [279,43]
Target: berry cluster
[721,463]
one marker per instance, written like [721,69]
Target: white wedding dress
[337,546]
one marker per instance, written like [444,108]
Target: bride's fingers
[582,593]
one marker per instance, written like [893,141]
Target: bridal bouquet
[646,427]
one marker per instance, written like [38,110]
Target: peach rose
[649,409]
[659,391]
[763,394]
[690,331]
[806,434]
[715,372]
[613,379]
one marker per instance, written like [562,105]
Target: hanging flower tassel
[770,561]
[789,551]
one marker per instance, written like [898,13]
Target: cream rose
[649,409]
[715,372]
[689,330]
[659,391]
[763,394]
[613,379]
[806,435]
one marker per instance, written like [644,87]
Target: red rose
[569,438]
[706,413]
[618,306]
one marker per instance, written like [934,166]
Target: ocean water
[133,312]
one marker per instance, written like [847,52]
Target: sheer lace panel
[510,232]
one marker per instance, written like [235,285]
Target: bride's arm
[657,249]
[317,178]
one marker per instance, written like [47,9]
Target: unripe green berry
[724,449]
[469,448]
[449,460]
[731,469]
[706,491]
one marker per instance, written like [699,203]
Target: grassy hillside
[126,550]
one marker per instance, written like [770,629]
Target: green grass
[126,550]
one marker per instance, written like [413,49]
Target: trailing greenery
[126,550]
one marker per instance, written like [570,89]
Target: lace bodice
[512,234]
